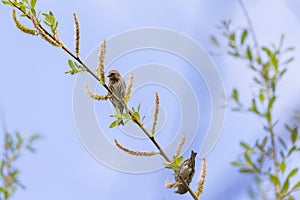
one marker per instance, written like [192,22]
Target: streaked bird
[187,170]
[118,87]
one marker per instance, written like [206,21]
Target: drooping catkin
[20,26]
[156,110]
[202,178]
[180,145]
[96,96]
[77,35]
[129,88]
[100,68]
[135,153]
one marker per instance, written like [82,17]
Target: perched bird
[187,170]
[118,87]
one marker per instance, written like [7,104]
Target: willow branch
[131,113]
[268,91]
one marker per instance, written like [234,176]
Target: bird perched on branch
[118,86]
[186,170]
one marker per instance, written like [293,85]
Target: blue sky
[37,96]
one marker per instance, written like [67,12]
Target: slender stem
[270,95]
[249,21]
[139,123]
[273,144]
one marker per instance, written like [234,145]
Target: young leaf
[294,135]
[33,3]
[246,170]
[282,166]
[235,94]
[115,123]
[249,53]
[244,35]
[274,179]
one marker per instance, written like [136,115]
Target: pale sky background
[36,95]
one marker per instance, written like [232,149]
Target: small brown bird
[187,170]
[118,87]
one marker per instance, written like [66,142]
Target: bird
[186,170]
[118,86]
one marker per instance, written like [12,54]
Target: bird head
[114,75]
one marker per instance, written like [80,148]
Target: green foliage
[267,158]
[75,68]
[51,22]
[126,117]
[27,7]
[174,163]
[13,147]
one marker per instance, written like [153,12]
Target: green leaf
[34,137]
[253,107]
[249,54]
[214,41]
[294,135]
[292,173]
[264,142]
[19,141]
[274,61]
[246,146]
[271,102]
[291,150]
[169,165]
[282,166]
[7,2]
[274,179]
[179,160]
[235,163]
[232,40]
[261,96]
[137,115]
[114,123]
[296,186]
[289,49]
[71,64]
[248,159]
[33,3]
[267,50]
[288,61]
[246,170]
[285,186]
[244,35]
[282,142]
[234,54]
[235,94]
